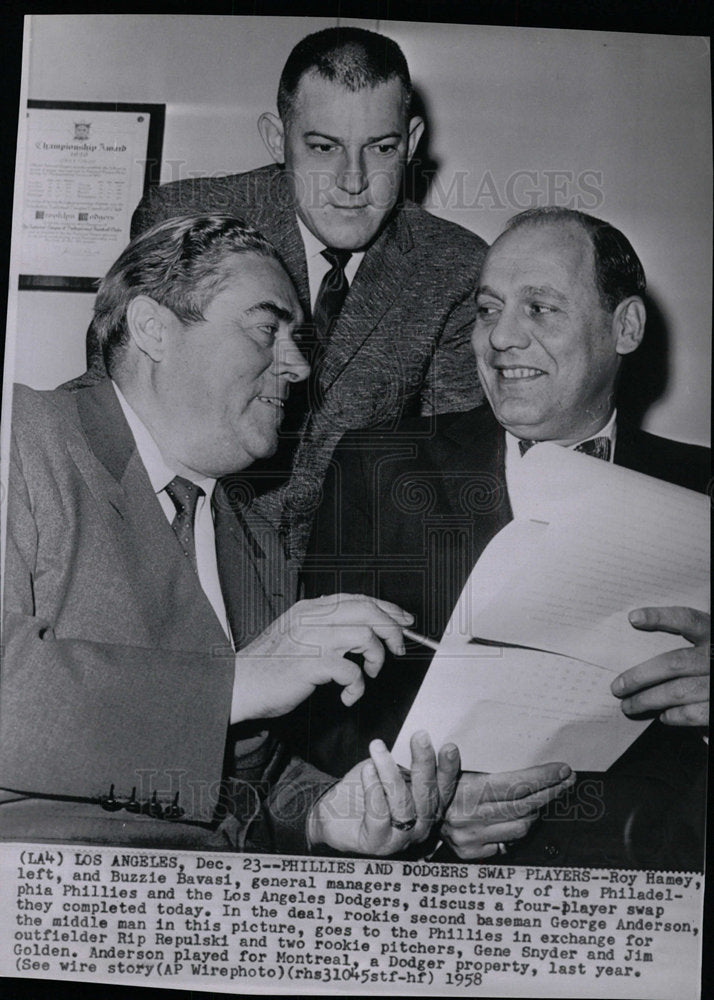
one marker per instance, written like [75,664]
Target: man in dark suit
[409,513]
[387,287]
[149,626]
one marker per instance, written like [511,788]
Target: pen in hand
[421,639]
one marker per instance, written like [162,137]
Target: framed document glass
[87,166]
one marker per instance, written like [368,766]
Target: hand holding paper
[589,543]
[676,683]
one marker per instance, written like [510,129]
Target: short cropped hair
[352,57]
[618,270]
[180,263]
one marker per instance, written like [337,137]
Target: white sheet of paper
[507,709]
[590,542]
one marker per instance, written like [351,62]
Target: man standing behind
[559,306]
[389,288]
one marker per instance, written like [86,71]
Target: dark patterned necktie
[184,495]
[598,447]
[331,295]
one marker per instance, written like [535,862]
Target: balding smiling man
[559,306]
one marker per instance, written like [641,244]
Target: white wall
[633,110]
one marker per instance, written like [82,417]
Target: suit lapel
[256,583]
[383,267]
[471,453]
[631,451]
[474,444]
[167,591]
[461,470]
[110,441]
[277,221]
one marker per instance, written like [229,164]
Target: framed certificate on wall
[86,166]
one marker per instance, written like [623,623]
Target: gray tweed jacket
[117,676]
[400,347]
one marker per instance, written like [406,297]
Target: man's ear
[628,324]
[416,130]
[272,132]
[147,322]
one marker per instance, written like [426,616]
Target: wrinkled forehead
[558,254]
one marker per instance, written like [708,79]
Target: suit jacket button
[108,802]
[133,806]
[174,811]
[153,808]
[551,850]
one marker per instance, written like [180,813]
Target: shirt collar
[314,248]
[609,430]
[312,245]
[160,474]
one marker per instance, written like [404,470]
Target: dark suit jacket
[116,671]
[405,517]
[401,344]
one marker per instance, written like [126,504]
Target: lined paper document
[589,542]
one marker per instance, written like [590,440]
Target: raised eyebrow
[286,315]
[544,290]
[336,139]
[322,135]
[487,290]
[380,138]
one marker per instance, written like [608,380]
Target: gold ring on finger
[402,824]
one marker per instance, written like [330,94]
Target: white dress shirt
[318,266]
[160,475]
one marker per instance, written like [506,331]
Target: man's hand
[375,811]
[306,647]
[489,809]
[674,684]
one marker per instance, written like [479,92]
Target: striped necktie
[598,447]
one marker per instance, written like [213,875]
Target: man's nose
[508,330]
[290,361]
[352,178]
